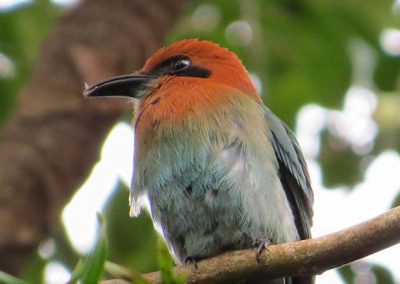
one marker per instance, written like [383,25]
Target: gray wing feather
[293,172]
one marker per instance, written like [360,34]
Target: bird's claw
[192,260]
[261,245]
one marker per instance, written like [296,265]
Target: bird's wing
[293,172]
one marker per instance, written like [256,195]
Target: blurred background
[329,69]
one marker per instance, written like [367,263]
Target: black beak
[133,86]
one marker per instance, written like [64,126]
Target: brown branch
[53,138]
[308,257]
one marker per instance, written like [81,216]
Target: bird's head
[204,62]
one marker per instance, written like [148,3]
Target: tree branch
[308,257]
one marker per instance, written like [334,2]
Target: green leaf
[132,241]
[22,31]
[9,279]
[90,268]
[387,72]
[340,164]
[34,271]
[396,201]
[166,266]
[383,275]
[118,271]
[347,274]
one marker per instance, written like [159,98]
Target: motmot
[219,170]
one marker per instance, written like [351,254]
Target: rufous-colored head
[203,60]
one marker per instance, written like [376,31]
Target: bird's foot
[192,260]
[261,244]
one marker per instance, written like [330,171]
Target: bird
[217,168]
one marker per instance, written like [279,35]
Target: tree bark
[307,257]
[51,141]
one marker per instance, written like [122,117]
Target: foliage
[23,29]
[133,235]
[9,279]
[303,51]
[166,264]
[90,268]
[381,274]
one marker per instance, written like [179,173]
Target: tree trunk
[53,138]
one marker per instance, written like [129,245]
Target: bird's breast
[206,162]
[178,135]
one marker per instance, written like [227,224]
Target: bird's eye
[180,64]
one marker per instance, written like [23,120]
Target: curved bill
[131,85]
